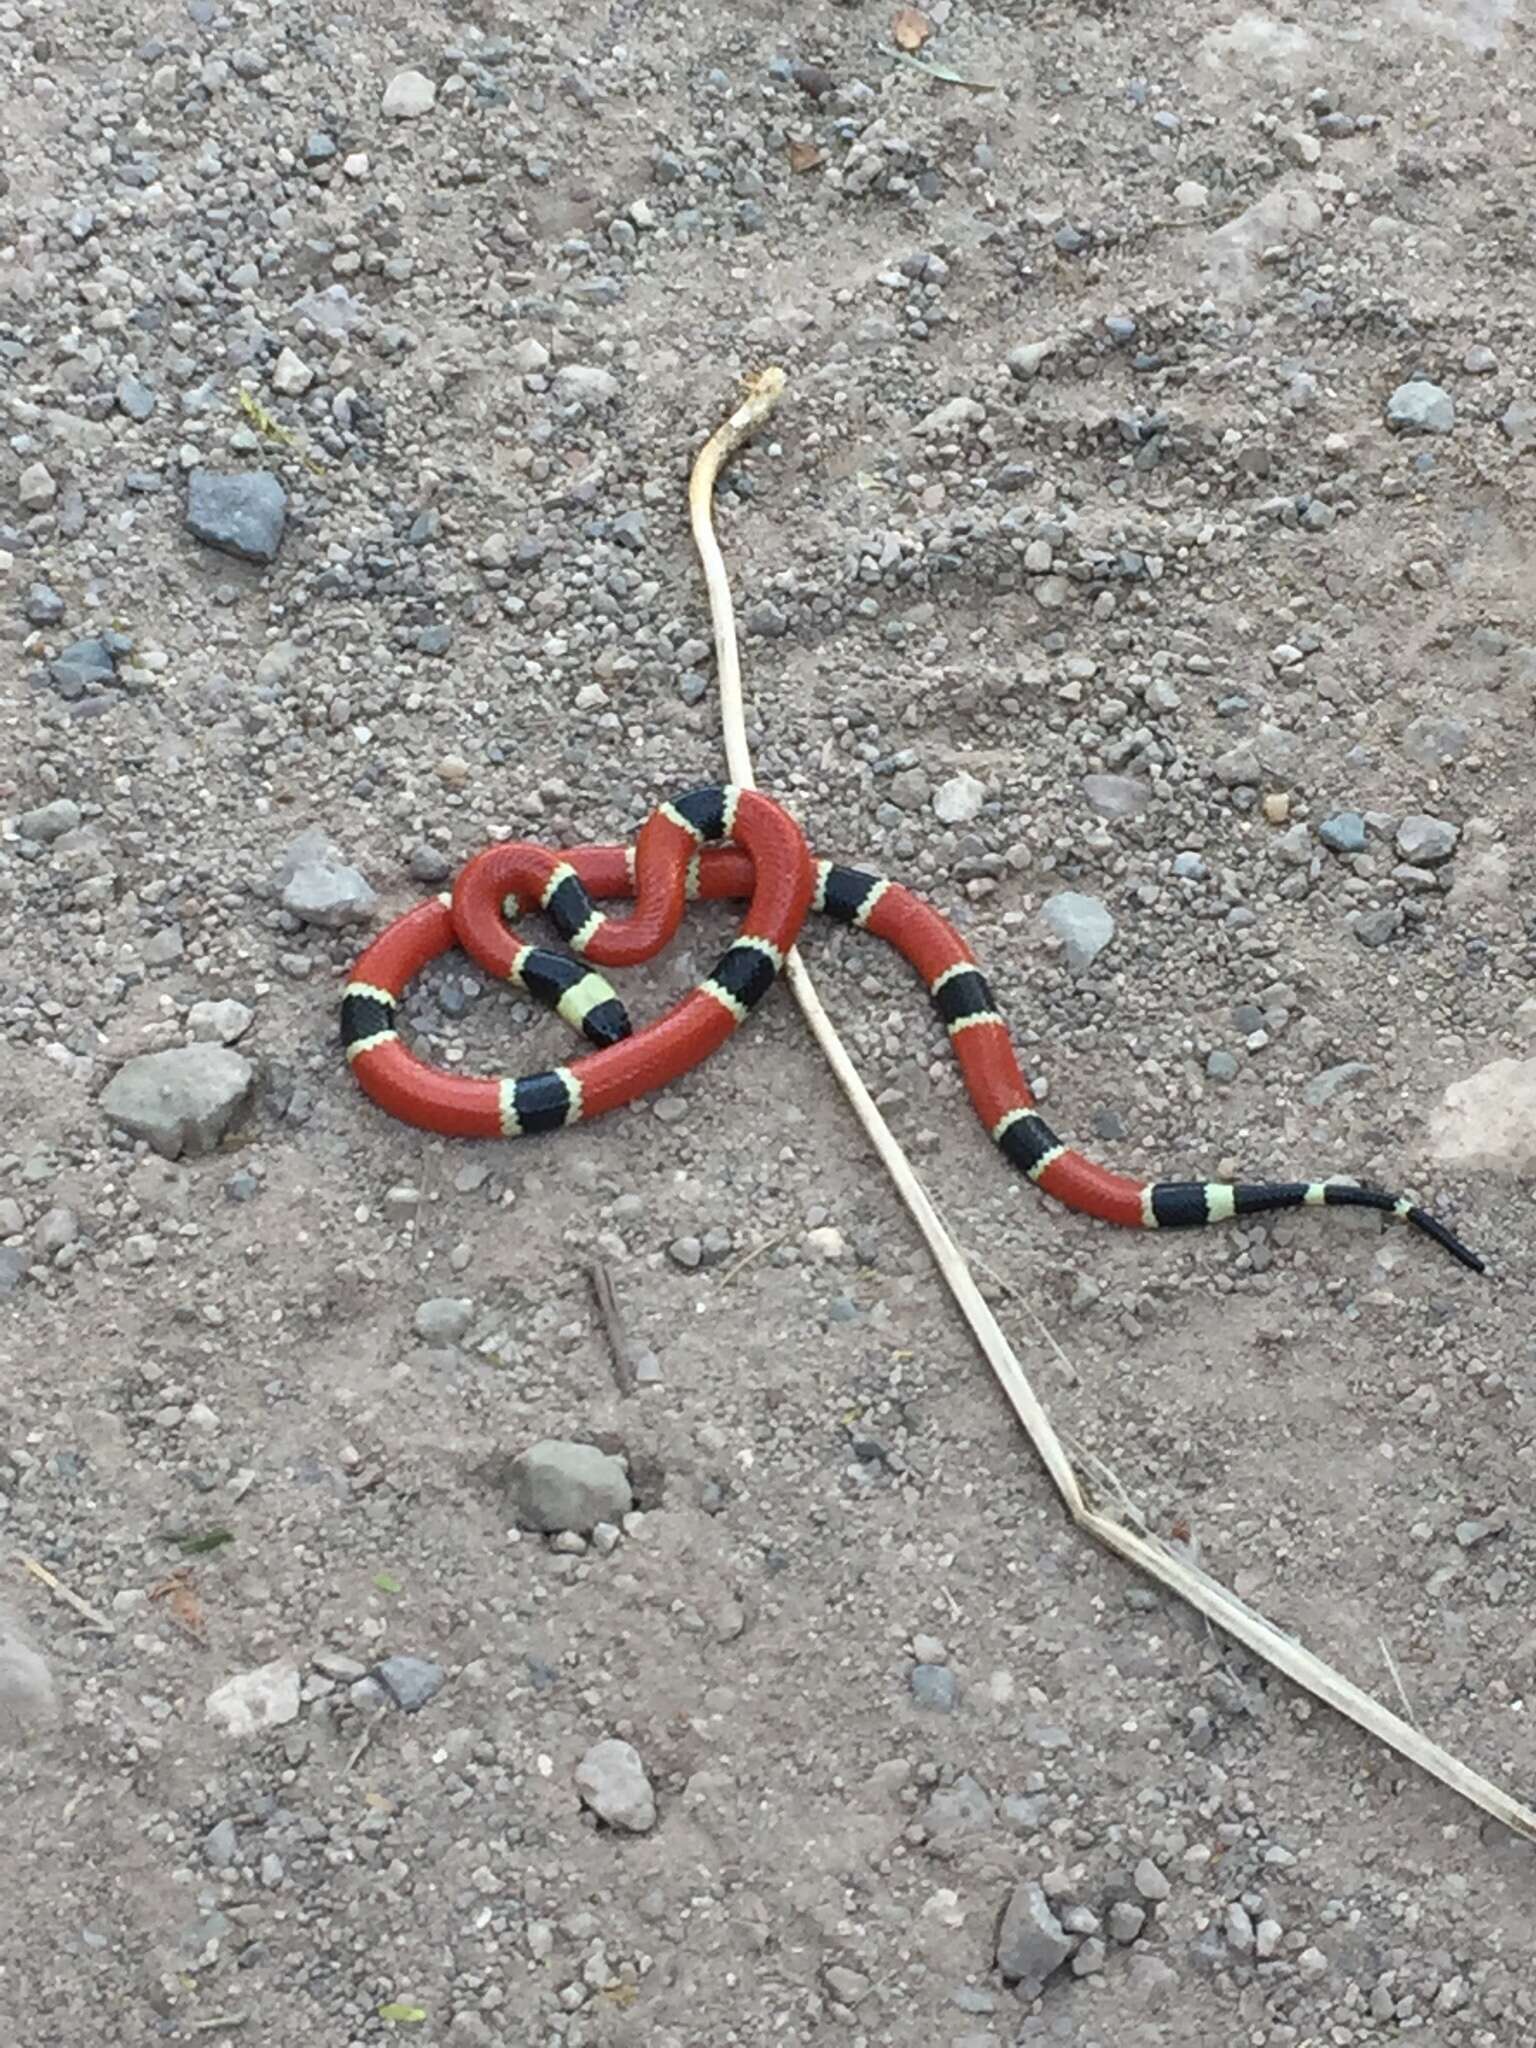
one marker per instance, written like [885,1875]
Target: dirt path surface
[1140,565]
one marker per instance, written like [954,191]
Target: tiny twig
[754,1251]
[629,1355]
[61,1592]
[362,1747]
[1397,1680]
[216,2021]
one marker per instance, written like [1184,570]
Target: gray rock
[219,1023]
[408,95]
[1116,796]
[1488,1119]
[1379,927]
[961,1809]
[560,1485]
[935,1686]
[13,1267]
[241,515]
[1025,360]
[1344,832]
[135,398]
[181,1101]
[410,1681]
[221,1845]
[1433,740]
[1221,1066]
[612,1782]
[1125,1921]
[253,1701]
[324,893]
[444,1320]
[36,488]
[1031,1942]
[959,800]
[27,1697]
[1426,841]
[83,665]
[1518,422]
[1150,1882]
[585,384]
[44,606]
[49,821]
[1421,408]
[1082,923]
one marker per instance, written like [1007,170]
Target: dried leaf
[910,28]
[386,1582]
[178,1594]
[804,156]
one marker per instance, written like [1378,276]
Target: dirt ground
[1147,521]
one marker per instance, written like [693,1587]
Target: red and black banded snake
[724,843]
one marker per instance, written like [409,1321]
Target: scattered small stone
[1344,832]
[934,1686]
[561,1485]
[50,821]
[241,515]
[221,1845]
[959,800]
[44,605]
[181,1101]
[1379,927]
[1125,1921]
[1031,1942]
[410,1681]
[326,893]
[1426,841]
[612,1782]
[291,375]
[1434,740]
[585,384]
[135,399]
[1150,1882]
[1518,422]
[1082,923]
[444,1320]
[408,95]
[253,1701]
[1421,408]
[220,1023]
[1117,796]
[36,488]
[28,1700]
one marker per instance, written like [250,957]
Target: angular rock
[1031,1942]
[36,488]
[1082,923]
[561,1485]
[241,515]
[1488,1119]
[408,95]
[1421,408]
[959,800]
[1427,841]
[962,1809]
[444,1320]
[612,1782]
[585,384]
[181,1101]
[410,1681]
[253,1701]
[325,893]
[219,1023]
[1344,832]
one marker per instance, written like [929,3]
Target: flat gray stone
[935,1686]
[1031,1942]
[445,1319]
[1323,1087]
[1344,832]
[612,1782]
[560,1485]
[1116,796]
[1082,923]
[27,1697]
[959,800]
[585,384]
[241,515]
[181,1101]
[253,1701]
[13,1267]
[408,95]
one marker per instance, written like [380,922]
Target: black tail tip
[1432,1227]
[606,1023]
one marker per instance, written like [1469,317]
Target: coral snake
[720,842]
